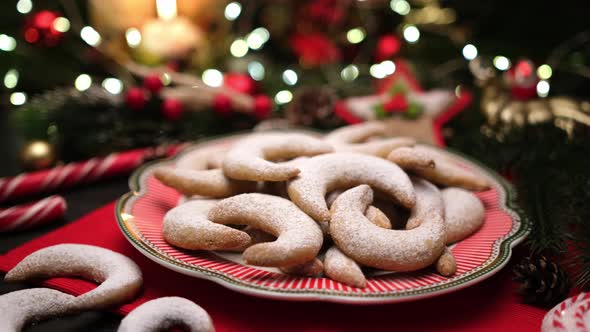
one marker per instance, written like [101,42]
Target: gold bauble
[538,112]
[38,155]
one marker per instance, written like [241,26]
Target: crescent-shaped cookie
[29,305]
[202,158]
[165,313]
[119,277]
[209,183]
[371,245]
[357,133]
[250,159]
[380,148]
[339,267]
[445,172]
[299,238]
[322,174]
[410,158]
[446,264]
[313,268]
[464,213]
[353,139]
[187,226]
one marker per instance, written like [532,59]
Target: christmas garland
[550,170]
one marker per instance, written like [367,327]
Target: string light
[257,38]
[376,71]
[380,70]
[133,37]
[349,73]
[90,36]
[239,48]
[11,79]
[83,82]
[290,77]
[212,77]
[544,72]
[61,24]
[388,67]
[18,98]
[24,6]
[232,10]
[501,62]
[166,9]
[7,43]
[112,85]
[469,52]
[283,97]
[355,36]
[543,89]
[401,7]
[256,70]
[411,34]
[166,79]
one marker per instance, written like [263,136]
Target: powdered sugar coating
[20,307]
[299,238]
[208,183]
[409,158]
[249,158]
[464,213]
[165,313]
[119,277]
[398,250]
[322,174]
[447,173]
[380,148]
[188,227]
[353,139]
[342,268]
[356,133]
[202,159]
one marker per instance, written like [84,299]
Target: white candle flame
[166,9]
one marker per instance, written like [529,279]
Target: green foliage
[552,175]
[91,123]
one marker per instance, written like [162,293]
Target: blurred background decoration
[87,78]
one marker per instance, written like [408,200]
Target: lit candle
[169,36]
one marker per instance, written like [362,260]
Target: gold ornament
[500,109]
[38,155]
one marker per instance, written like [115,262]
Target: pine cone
[314,107]
[543,282]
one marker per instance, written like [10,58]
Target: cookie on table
[119,277]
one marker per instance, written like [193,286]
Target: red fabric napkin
[490,305]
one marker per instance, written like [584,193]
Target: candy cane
[79,172]
[32,214]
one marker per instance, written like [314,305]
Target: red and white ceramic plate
[140,213]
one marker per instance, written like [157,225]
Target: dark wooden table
[80,201]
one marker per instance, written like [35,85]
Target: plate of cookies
[352,216]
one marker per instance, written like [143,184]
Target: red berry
[153,83]
[172,109]
[222,104]
[240,82]
[262,107]
[135,98]
[398,103]
[387,46]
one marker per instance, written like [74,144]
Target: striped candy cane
[25,216]
[79,172]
